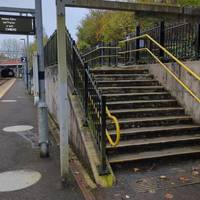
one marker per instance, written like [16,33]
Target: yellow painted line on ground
[6,86]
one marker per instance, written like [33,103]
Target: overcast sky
[73,15]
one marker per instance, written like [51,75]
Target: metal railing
[148,40]
[102,54]
[182,40]
[92,101]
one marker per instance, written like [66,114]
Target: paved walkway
[169,179]
[19,151]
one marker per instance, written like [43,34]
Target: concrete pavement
[19,151]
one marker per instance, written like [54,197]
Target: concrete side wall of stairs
[185,99]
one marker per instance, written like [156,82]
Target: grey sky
[73,15]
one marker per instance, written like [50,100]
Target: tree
[33,48]
[107,26]
[12,48]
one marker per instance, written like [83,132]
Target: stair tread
[144,110]
[137,94]
[132,87]
[117,158]
[119,69]
[118,75]
[127,81]
[140,101]
[125,120]
[155,128]
[156,140]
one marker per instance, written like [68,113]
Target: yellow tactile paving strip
[6,86]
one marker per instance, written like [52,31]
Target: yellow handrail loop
[114,119]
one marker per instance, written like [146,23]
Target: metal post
[116,54]
[109,54]
[42,107]
[198,42]
[137,54]
[103,170]
[63,90]
[162,38]
[27,64]
[86,95]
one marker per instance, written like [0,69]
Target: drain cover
[18,180]
[20,128]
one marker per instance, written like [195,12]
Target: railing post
[103,170]
[109,54]
[73,63]
[116,53]
[101,44]
[86,95]
[162,38]
[198,42]
[137,54]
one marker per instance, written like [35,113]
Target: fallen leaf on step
[136,169]
[163,177]
[152,191]
[169,195]
[184,178]
[195,173]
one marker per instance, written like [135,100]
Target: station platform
[40,178]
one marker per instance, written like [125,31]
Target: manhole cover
[20,128]
[18,180]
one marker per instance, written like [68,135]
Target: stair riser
[152,147]
[131,77]
[139,97]
[151,123]
[167,158]
[149,114]
[139,71]
[127,84]
[142,105]
[153,134]
[130,90]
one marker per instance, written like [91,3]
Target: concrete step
[123,77]
[142,104]
[165,153]
[151,121]
[155,131]
[148,112]
[134,89]
[138,96]
[127,83]
[138,70]
[158,143]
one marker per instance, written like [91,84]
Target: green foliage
[33,48]
[189,2]
[107,26]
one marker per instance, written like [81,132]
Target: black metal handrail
[102,54]
[93,103]
[182,40]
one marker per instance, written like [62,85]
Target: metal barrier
[146,48]
[92,101]
[103,54]
[182,40]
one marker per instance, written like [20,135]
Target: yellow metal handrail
[116,122]
[165,66]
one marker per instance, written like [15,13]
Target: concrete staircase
[153,124]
